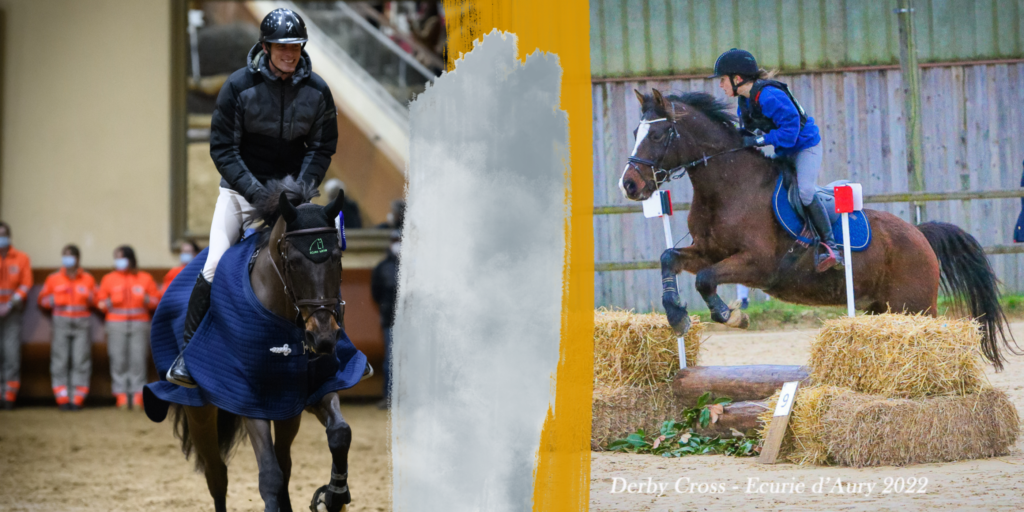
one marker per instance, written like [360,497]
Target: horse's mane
[718,111]
[297,192]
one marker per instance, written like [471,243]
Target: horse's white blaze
[641,134]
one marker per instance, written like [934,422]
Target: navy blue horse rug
[245,359]
[860,229]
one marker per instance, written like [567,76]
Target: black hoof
[326,501]
[678,318]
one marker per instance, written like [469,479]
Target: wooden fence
[972,118]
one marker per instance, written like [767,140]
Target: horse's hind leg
[284,434]
[734,269]
[271,477]
[333,497]
[202,426]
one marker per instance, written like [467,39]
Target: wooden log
[741,416]
[738,383]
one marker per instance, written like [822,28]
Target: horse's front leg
[674,261]
[284,434]
[738,268]
[271,476]
[335,496]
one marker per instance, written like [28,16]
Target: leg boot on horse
[198,305]
[335,496]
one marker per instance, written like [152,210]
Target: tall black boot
[198,305]
[818,216]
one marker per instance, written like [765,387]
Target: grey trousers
[808,166]
[70,352]
[10,353]
[128,346]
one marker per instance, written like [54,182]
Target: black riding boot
[818,216]
[198,304]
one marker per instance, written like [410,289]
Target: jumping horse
[298,289]
[737,239]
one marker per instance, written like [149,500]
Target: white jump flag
[660,205]
[849,199]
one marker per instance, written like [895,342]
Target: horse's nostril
[630,187]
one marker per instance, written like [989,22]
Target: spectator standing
[349,209]
[15,281]
[384,288]
[396,217]
[68,294]
[189,250]
[127,296]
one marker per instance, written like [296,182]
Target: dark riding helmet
[283,26]
[736,62]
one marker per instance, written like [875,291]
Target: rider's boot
[818,216]
[198,304]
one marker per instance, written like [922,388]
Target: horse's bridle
[333,306]
[675,172]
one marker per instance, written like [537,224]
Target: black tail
[968,279]
[230,432]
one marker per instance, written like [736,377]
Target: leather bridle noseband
[333,306]
[675,172]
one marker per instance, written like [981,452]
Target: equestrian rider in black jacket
[274,118]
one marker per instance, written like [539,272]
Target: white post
[848,263]
[680,341]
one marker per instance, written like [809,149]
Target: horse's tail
[230,432]
[968,279]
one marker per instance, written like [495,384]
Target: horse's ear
[663,104]
[334,208]
[287,210]
[639,97]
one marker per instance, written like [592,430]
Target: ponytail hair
[763,74]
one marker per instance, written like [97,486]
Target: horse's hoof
[737,318]
[677,315]
[319,503]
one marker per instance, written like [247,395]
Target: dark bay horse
[312,297]
[736,238]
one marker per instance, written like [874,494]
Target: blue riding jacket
[788,138]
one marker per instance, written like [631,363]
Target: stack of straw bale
[635,358]
[894,390]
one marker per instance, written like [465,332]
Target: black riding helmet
[283,26]
[736,62]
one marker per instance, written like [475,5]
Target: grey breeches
[808,166]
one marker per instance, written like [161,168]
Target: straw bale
[865,430]
[802,443]
[900,356]
[632,349]
[621,410]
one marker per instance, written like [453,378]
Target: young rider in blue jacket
[768,109]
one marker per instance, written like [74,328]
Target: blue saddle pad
[860,229]
[230,355]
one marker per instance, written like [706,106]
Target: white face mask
[69,261]
[5,242]
[121,263]
[396,248]
[186,257]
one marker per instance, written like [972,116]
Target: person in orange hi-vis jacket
[15,281]
[127,296]
[68,294]
[189,250]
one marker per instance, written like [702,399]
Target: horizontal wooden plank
[611,266]
[903,197]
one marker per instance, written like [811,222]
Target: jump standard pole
[660,205]
[849,199]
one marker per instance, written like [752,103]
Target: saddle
[789,211]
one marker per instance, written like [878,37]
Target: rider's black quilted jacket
[265,128]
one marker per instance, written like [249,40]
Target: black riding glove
[751,141]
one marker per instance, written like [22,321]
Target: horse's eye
[657,137]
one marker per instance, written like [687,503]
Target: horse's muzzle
[322,342]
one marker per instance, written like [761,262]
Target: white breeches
[231,217]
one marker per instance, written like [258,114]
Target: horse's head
[306,250]
[673,130]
